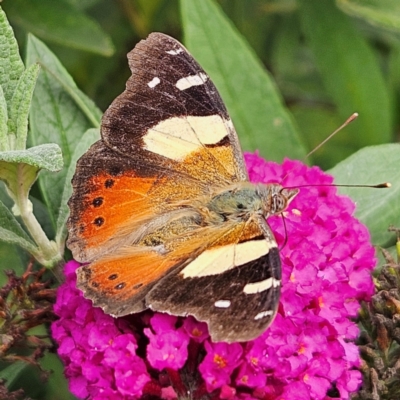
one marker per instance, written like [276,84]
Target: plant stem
[49,254]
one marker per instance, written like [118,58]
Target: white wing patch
[177,137]
[191,80]
[174,52]
[263,314]
[220,259]
[258,287]
[222,303]
[154,82]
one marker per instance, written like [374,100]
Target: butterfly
[162,214]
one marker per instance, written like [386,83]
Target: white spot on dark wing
[191,80]
[154,82]
[263,314]
[258,287]
[217,260]
[222,303]
[174,52]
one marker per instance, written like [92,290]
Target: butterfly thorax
[246,200]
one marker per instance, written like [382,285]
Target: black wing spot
[120,286]
[97,202]
[99,221]
[112,277]
[109,183]
[139,285]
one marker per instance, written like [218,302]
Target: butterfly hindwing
[120,282]
[234,285]
[232,281]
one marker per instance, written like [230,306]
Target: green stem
[48,254]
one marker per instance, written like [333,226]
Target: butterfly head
[275,198]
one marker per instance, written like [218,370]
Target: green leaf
[11,65]
[60,113]
[19,168]
[11,258]
[52,70]
[394,68]
[250,95]
[20,104]
[4,197]
[377,208]
[381,13]
[12,372]
[57,384]
[12,232]
[83,4]
[89,137]
[18,177]
[4,143]
[45,156]
[60,22]
[350,72]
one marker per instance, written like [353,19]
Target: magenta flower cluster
[307,353]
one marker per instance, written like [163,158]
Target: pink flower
[219,363]
[308,351]
[168,346]
[100,358]
[197,331]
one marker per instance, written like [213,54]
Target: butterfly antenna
[383,185]
[347,122]
[286,235]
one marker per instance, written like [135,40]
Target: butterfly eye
[279,203]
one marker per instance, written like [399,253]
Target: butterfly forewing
[172,115]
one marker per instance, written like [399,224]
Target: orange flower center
[220,361]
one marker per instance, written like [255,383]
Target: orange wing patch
[211,165]
[119,284]
[113,202]
[110,206]
[115,197]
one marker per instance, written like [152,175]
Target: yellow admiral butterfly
[162,213]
